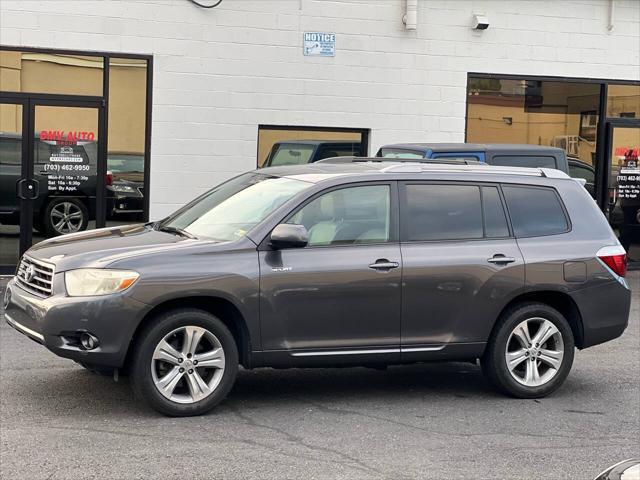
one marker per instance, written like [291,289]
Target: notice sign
[318,44]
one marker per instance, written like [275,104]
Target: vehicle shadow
[67,391]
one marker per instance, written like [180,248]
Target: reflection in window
[50,73]
[623,101]
[557,114]
[126,141]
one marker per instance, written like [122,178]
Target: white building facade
[218,74]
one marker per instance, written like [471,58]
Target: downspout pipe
[410,18]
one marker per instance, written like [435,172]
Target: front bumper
[58,320]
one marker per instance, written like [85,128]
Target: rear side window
[535,211]
[495,220]
[531,161]
[443,212]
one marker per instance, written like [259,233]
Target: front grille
[35,276]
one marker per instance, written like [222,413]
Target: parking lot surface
[438,421]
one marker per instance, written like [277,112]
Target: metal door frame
[29,104]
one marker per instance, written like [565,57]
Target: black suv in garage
[359,263]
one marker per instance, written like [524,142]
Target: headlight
[123,188]
[96,281]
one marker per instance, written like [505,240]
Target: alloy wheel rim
[66,217]
[187,364]
[534,352]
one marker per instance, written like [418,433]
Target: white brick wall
[221,72]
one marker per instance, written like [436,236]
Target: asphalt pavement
[433,421]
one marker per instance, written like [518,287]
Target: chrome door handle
[501,259]
[384,265]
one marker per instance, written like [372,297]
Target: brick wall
[221,72]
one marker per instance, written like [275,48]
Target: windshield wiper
[177,231]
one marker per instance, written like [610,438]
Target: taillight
[614,257]
[109,178]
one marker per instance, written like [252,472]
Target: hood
[101,247]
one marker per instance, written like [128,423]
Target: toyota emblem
[29,273]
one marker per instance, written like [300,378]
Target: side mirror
[287,235]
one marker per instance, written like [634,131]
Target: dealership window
[623,101]
[44,72]
[282,145]
[126,144]
[539,112]
[85,147]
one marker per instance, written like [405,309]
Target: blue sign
[318,44]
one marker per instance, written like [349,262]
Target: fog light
[88,341]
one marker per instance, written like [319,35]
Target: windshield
[132,163]
[291,154]
[230,210]
[398,153]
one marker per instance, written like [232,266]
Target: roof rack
[476,168]
[444,165]
[441,160]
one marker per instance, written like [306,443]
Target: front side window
[230,210]
[354,215]
[443,212]
[535,211]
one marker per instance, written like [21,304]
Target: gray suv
[335,264]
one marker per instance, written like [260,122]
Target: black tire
[57,203]
[141,374]
[494,363]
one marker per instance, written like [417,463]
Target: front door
[623,167]
[339,297]
[53,172]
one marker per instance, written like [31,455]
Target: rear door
[461,265]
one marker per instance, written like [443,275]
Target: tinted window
[540,161]
[535,211]
[338,151]
[495,220]
[443,212]
[348,215]
[578,171]
[465,156]
[11,151]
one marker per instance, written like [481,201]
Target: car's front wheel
[65,215]
[184,363]
[530,352]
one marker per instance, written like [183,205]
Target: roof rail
[441,160]
[477,168]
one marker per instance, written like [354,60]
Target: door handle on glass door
[499,258]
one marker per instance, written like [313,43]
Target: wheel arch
[559,300]
[225,310]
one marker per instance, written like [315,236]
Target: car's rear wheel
[184,363]
[530,352]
